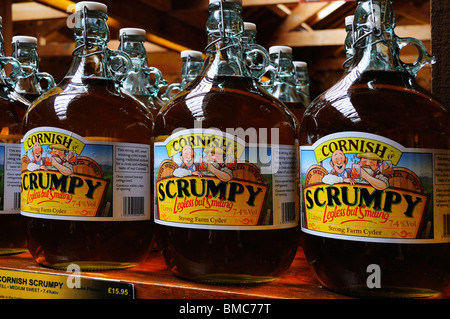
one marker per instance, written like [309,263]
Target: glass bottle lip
[349,20]
[232,1]
[249,26]
[91,5]
[91,16]
[280,48]
[24,39]
[300,64]
[132,31]
[191,53]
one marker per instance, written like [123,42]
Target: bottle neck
[375,53]
[284,83]
[88,63]
[91,37]
[302,80]
[249,37]
[224,53]
[190,69]
[133,45]
[374,44]
[348,44]
[284,67]
[26,54]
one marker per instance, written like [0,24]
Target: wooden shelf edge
[153,280]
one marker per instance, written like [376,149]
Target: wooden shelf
[153,280]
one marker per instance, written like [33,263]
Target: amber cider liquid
[297,109]
[227,256]
[391,105]
[12,226]
[99,115]
[153,105]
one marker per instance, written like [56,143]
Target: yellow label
[360,186]
[54,139]
[363,211]
[357,145]
[33,285]
[209,201]
[206,141]
[52,193]
[65,176]
[213,180]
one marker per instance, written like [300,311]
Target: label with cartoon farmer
[206,178]
[360,186]
[65,176]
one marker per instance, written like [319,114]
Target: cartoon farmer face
[58,159]
[58,150]
[187,156]
[369,163]
[37,151]
[214,155]
[369,160]
[338,161]
[214,161]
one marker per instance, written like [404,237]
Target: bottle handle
[252,53]
[423,59]
[159,79]
[168,94]
[16,72]
[271,75]
[48,77]
[119,63]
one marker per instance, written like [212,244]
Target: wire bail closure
[88,45]
[222,34]
[374,30]
[85,37]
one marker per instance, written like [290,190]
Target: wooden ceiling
[180,24]
[314,30]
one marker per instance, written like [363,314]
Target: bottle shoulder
[83,107]
[225,102]
[386,105]
[222,93]
[376,90]
[95,95]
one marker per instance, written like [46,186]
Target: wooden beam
[417,14]
[160,29]
[7,32]
[67,5]
[26,11]
[162,5]
[300,14]
[280,10]
[56,49]
[203,4]
[440,44]
[333,37]
[294,39]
